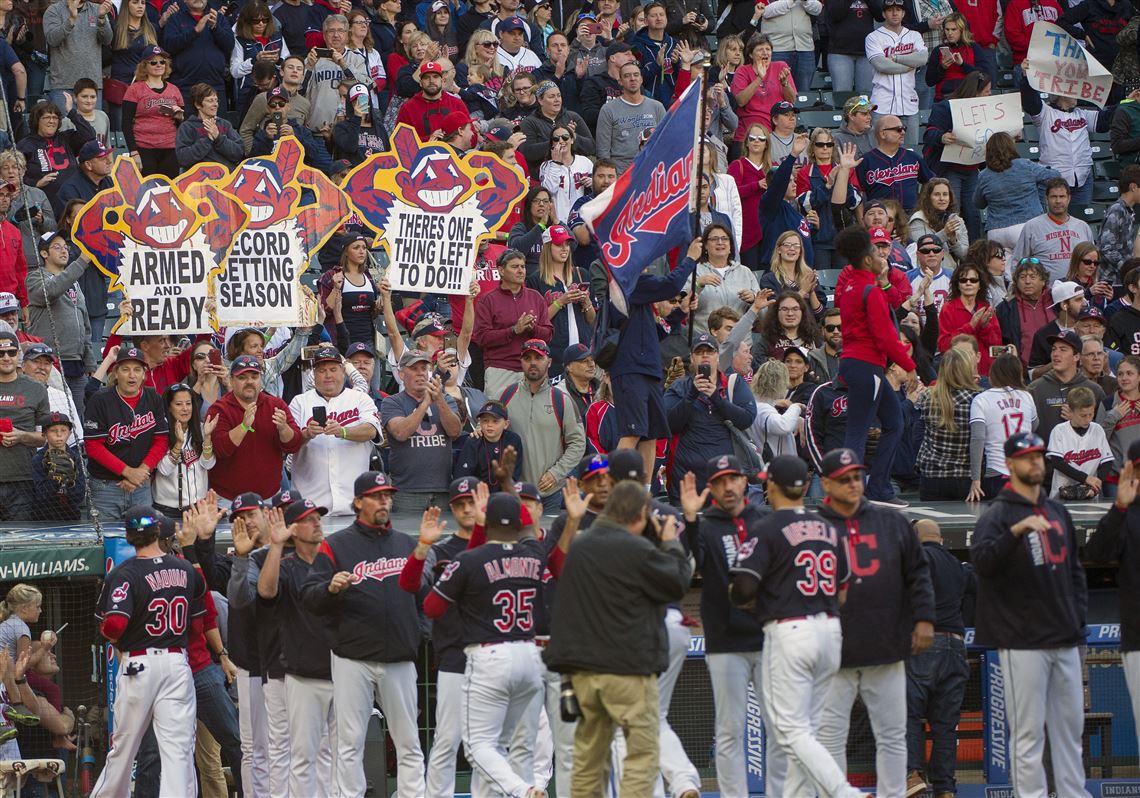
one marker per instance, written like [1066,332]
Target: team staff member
[1117,539]
[1032,604]
[340,446]
[125,429]
[354,584]
[304,642]
[734,637]
[888,616]
[428,563]
[149,626]
[254,433]
[793,573]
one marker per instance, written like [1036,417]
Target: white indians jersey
[324,469]
[1083,452]
[894,94]
[1065,144]
[1005,412]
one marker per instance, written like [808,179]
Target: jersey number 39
[819,572]
[167,617]
[516,610]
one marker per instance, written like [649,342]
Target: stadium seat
[1005,79]
[1106,192]
[1028,149]
[1030,133]
[841,97]
[1090,213]
[1100,150]
[814,119]
[820,81]
[828,278]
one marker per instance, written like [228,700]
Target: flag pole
[700,161]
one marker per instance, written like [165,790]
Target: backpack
[557,400]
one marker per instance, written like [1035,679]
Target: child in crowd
[485,448]
[1078,450]
[57,473]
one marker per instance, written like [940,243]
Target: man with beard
[354,584]
[580,382]
[430,101]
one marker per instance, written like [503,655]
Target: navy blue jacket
[58,502]
[1032,592]
[198,57]
[778,215]
[639,350]
[1117,539]
[954,586]
[826,420]
[698,422]
[249,50]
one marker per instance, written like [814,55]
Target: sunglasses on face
[832,327]
[489,45]
[278,106]
[757,138]
[561,138]
[1090,261]
[157,62]
[930,250]
[9,352]
[261,19]
[825,144]
[899,129]
[968,280]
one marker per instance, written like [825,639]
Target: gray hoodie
[1049,394]
[66,328]
[76,50]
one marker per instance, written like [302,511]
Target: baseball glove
[61,469]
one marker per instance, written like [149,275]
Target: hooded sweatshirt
[1049,394]
[1031,589]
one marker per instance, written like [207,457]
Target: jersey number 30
[819,572]
[516,609]
[168,617]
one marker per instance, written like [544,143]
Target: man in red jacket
[430,101]
[13,267]
[254,434]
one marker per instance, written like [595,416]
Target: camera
[309,353]
[568,703]
[701,19]
[24,214]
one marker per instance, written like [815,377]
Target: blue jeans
[986,60]
[802,64]
[218,714]
[935,686]
[963,183]
[111,502]
[16,501]
[850,73]
[1081,195]
[925,93]
[870,396]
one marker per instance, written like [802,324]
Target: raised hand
[847,156]
[504,471]
[691,501]
[482,494]
[1127,488]
[576,504]
[244,540]
[431,528]
[279,533]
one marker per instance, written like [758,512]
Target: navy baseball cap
[244,502]
[528,490]
[11,338]
[140,517]
[782,107]
[511,23]
[276,93]
[1091,312]
[1021,443]
[56,417]
[167,527]
[617,48]
[93,149]
[372,482]
[51,235]
[724,465]
[284,498]
[462,488]
[130,353]
[302,508]
[498,132]
[152,52]
[505,510]
[593,464]
[796,350]
[326,353]
[360,346]
[536,345]
[787,471]
[492,408]
[38,350]
[838,462]
[429,325]
[705,340]
[576,352]
[1069,337]
[627,464]
[244,363]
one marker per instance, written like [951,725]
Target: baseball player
[305,644]
[495,588]
[354,584]
[1117,540]
[793,572]
[1032,601]
[338,425]
[145,610]
[446,636]
[888,615]
[733,637]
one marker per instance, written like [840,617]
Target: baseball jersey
[800,561]
[497,587]
[1005,412]
[1065,144]
[894,93]
[158,596]
[127,432]
[447,629]
[324,468]
[939,289]
[1083,452]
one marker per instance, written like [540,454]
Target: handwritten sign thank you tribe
[1059,64]
[975,120]
[429,207]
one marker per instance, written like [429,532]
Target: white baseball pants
[277,715]
[161,694]
[448,735]
[883,688]
[503,690]
[356,685]
[254,725]
[1043,691]
[800,661]
[554,750]
[312,736]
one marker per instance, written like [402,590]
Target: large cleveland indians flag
[646,212]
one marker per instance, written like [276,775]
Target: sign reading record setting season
[217,248]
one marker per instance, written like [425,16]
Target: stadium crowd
[1007,302]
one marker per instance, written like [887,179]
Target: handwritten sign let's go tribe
[218,248]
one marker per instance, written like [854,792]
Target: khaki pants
[208,758]
[608,700]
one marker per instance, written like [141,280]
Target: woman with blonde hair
[567,292]
[750,171]
[944,454]
[482,51]
[789,272]
[152,112]
[20,607]
[134,34]
[777,418]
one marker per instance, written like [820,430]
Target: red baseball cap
[879,235]
[556,234]
[430,67]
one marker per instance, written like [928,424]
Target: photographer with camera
[281,120]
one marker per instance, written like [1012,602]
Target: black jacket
[1124,330]
[889,589]
[610,613]
[1117,539]
[954,588]
[372,619]
[1031,589]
